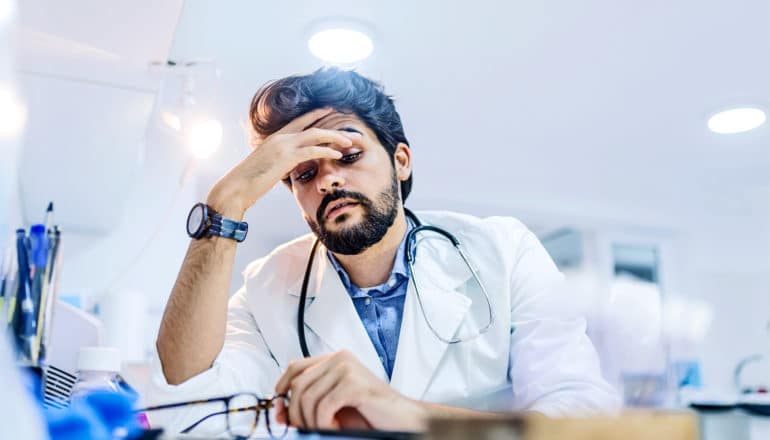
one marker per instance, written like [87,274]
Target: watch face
[194,220]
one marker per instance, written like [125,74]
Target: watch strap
[225,227]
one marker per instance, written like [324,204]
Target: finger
[315,136]
[302,404]
[311,153]
[280,413]
[334,400]
[295,368]
[312,394]
[306,120]
[295,412]
[316,152]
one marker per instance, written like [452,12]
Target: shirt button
[391,283]
[368,301]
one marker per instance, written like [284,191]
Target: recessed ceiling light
[736,120]
[340,45]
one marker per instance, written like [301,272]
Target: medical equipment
[411,254]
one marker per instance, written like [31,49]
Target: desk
[291,435]
[714,425]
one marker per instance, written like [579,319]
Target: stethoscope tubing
[411,254]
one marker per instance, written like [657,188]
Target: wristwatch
[204,221]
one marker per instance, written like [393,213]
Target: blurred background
[593,122]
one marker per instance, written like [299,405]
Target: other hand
[335,391]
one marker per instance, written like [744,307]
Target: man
[382,356]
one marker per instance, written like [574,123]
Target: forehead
[336,120]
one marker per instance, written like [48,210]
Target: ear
[402,160]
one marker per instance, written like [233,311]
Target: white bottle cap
[99,359]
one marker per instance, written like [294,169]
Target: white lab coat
[537,348]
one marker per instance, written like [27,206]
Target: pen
[49,217]
[45,308]
[44,335]
[43,258]
[17,289]
[38,259]
[25,320]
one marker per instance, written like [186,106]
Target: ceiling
[551,106]
[594,109]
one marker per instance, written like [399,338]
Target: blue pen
[39,260]
[39,256]
[25,325]
[19,289]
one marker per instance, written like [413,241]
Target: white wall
[141,255]
[10,208]
[728,265]
[721,257]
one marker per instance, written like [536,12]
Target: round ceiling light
[340,45]
[736,120]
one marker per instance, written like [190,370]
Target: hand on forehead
[336,120]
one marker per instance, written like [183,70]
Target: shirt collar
[400,268]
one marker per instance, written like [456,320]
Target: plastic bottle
[98,369]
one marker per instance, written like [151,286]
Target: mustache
[336,195]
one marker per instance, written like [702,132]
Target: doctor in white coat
[382,356]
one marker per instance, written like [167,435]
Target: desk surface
[291,435]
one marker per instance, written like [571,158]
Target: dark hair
[280,101]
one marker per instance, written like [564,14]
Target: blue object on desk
[39,241]
[102,415]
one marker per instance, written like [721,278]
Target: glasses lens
[242,415]
[277,417]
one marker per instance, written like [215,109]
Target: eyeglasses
[241,412]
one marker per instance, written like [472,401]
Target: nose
[328,179]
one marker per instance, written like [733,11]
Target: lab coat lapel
[419,350]
[332,316]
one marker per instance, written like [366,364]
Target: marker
[24,316]
[50,292]
[49,217]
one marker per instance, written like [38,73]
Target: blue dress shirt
[381,307]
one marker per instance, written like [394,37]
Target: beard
[377,217]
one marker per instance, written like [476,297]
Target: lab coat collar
[331,315]
[436,261]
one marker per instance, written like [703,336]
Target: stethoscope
[411,254]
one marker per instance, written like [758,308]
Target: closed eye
[350,158]
[305,176]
